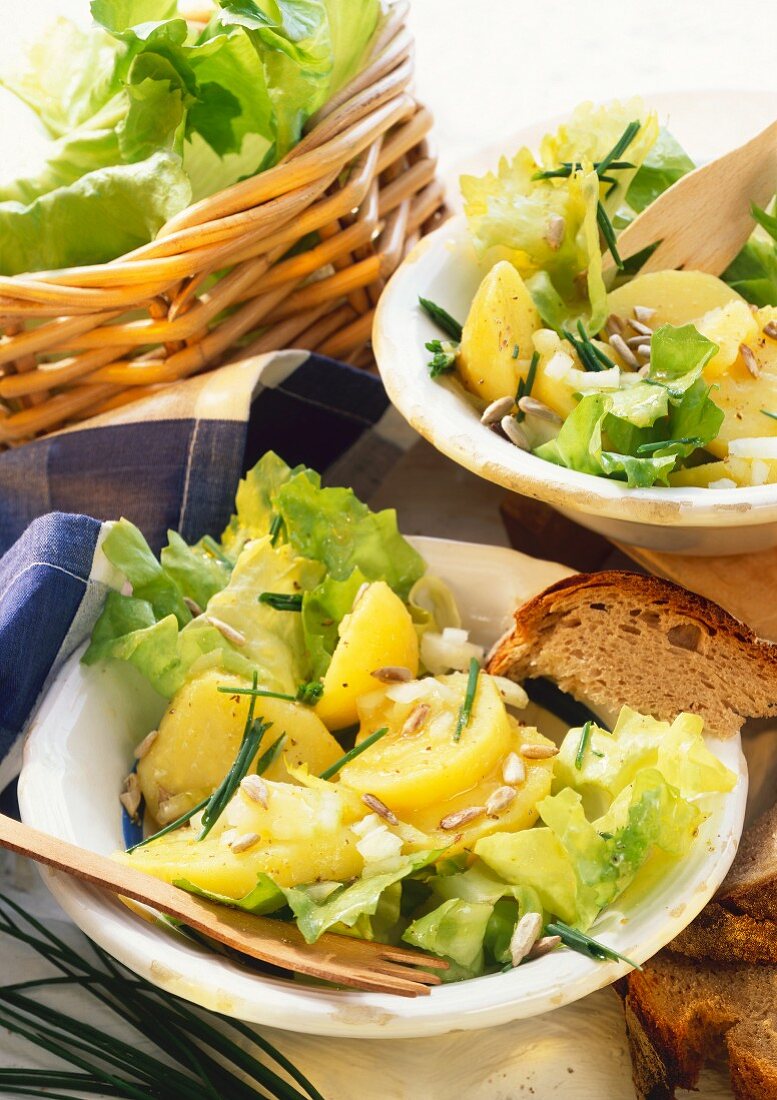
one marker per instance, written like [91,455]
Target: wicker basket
[83,340]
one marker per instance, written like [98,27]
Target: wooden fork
[704,219]
[341,959]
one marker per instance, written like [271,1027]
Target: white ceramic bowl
[444,267]
[78,750]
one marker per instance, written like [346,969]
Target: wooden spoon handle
[280,943]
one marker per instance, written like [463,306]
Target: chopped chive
[269,756]
[585,736]
[619,148]
[771,415]
[357,750]
[608,232]
[605,360]
[449,325]
[516,349]
[588,359]
[651,448]
[595,752]
[275,529]
[215,551]
[281,601]
[253,732]
[465,713]
[309,693]
[179,821]
[525,385]
[586,945]
[444,355]
[256,693]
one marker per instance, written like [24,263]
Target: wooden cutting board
[744,584]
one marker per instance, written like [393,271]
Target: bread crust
[658,648]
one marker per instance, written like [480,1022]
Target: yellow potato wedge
[199,736]
[502,317]
[378,632]
[419,764]
[676,296]
[302,835]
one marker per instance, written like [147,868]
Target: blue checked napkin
[169,461]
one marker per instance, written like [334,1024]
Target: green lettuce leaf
[125,547]
[454,930]
[347,903]
[534,859]
[255,506]
[322,611]
[508,215]
[265,897]
[197,573]
[665,164]
[678,355]
[124,206]
[334,527]
[753,273]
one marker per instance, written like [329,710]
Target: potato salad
[333,752]
[661,378]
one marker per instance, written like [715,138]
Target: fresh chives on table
[357,750]
[465,713]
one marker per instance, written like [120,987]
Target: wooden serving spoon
[704,219]
[341,959]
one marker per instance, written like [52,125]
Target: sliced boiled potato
[379,632]
[677,297]
[730,326]
[550,386]
[303,835]
[743,397]
[519,813]
[418,763]
[502,317]
[200,734]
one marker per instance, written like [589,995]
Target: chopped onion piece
[366,825]
[761,446]
[723,483]
[379,844]
[559,366]
[759,472]
[512,693]
[440,655]
[588,381]
[407,691]
[455,636]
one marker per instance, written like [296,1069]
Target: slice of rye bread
[677,1014]
[751,884]
[739,923]
[615,638]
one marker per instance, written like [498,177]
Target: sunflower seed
[532,407]
[538,752]
[494,412]
[131,795]
[615,324]
[415,719]
[513,770]
[644,313]
[554,234]
[643,372]
[617,343]
[750,360]
[515,432]
[635,341]
[770,330]
[392,674]
[193,606]
[145,744]
[543,946]
[256,789]
[227,631]
[461,817]
[380,808]
[643,350]
[642,330]
[244,842]
[525,936]
[499,800]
